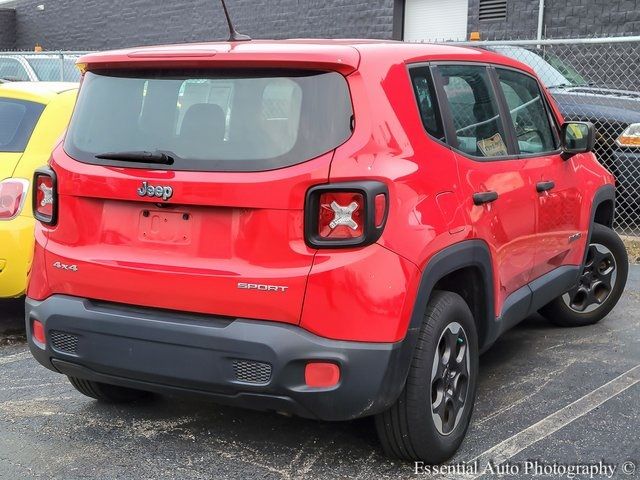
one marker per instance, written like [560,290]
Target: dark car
[614,112]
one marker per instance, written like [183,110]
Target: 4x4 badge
[574,237]
[161,191]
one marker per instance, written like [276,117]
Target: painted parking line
[510,447]
[14,358]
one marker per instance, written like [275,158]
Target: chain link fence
[39,66]
[595,80]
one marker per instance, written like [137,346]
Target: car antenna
[234,36]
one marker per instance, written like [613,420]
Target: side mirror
[577,137]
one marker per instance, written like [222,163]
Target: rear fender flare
[603,194]
[469,253]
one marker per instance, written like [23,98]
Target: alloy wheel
[596,281]
[450,378]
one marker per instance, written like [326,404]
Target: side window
[426,97]
[528,112]
[12,69]
[476,121]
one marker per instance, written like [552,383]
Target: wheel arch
[464,261]
[468,282]
[602,211]
[452,269]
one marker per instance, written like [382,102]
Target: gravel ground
[633,248]
[551,395]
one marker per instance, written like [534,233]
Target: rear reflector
[381,208]
[321,374]
[37,330]
[12,194]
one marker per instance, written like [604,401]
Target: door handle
[481,198]
[545,186]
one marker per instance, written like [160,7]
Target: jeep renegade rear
[333,229]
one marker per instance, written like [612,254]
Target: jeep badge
[161,191]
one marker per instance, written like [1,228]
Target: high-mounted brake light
[13,192]
[45,196]
[345,214]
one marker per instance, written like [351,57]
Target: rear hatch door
[217,225]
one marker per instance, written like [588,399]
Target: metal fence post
[61,66]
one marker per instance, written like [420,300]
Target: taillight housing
[349,214]
[13,192]
[45,196]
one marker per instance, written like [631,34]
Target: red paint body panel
[336,56]
[273,189]
[248,227]
[240,228]
[369,291]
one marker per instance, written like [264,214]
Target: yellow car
[33,116]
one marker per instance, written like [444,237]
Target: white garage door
[431,20]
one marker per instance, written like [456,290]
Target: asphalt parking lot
[565,396]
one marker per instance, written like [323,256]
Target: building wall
[562,19]
[7,28]
[99,24]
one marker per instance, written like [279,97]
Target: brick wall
[593,18]
[563,19]
[99,24]
[7,28]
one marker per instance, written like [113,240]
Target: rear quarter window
[474,110]
[18,118]
[424,91]
[240,120]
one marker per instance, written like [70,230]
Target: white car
[38,67]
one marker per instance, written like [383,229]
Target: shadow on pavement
[12,316]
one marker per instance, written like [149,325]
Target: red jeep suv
[333,229]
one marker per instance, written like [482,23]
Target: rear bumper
[16,239]
[171,352]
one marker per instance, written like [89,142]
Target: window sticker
[493,146]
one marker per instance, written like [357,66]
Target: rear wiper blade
[138,156]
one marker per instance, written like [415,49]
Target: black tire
[408,430]
[107,393]
[560,313]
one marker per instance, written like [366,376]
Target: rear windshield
[211,120]
[18,118]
